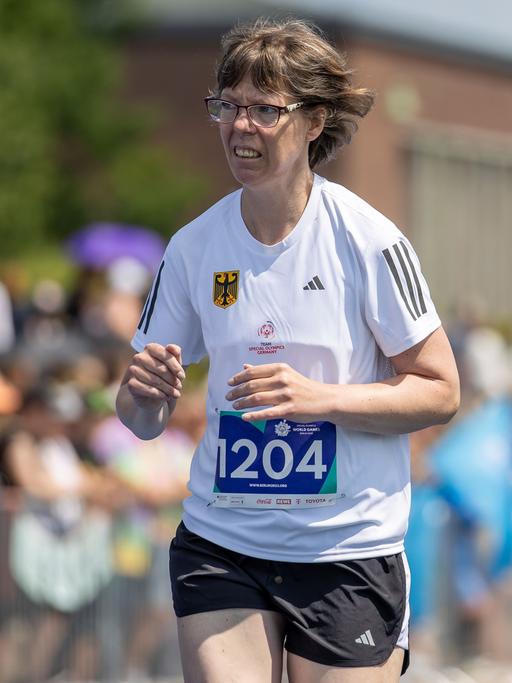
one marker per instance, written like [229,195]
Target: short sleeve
[398,306]
[168,316]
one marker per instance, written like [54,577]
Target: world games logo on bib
[282,428]
[225,288]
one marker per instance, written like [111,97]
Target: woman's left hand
[288,393]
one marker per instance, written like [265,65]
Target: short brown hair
[293,57]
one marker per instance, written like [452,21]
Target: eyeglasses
[263,115]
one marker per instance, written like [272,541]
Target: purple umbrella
[100,244]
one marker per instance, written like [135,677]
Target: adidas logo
[315,283]
[366,639]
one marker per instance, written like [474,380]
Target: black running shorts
[342,614]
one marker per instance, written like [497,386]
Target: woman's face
[278,153]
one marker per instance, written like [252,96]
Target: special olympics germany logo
[225,288]
[267,330]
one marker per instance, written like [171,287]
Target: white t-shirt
[337,297]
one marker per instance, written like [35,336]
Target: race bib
[274,463]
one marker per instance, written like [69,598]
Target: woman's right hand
[155,376]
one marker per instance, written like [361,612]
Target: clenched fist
[155,375]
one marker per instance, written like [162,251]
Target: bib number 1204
[277,460]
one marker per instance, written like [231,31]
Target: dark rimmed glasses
[263,115]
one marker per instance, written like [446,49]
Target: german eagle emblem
[225,288]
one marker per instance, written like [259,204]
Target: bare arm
[28,472]
[149,390]
[425,391]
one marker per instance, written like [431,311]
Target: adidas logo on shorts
[366,639]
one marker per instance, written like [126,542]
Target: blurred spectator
[11,631]
[106,305]
[459,542]
[15,279]
[154,473]
[85,301]
[10,397]
[7,333]
[486,359]
[472,463]
[60,540]
[482,356]
[48,336]
[128,282]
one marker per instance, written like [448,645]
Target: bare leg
[150,632]
[232,646]
[302,670]
[84,659]
[48,637]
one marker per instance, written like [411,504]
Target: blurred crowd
[459,541]
[87,510]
